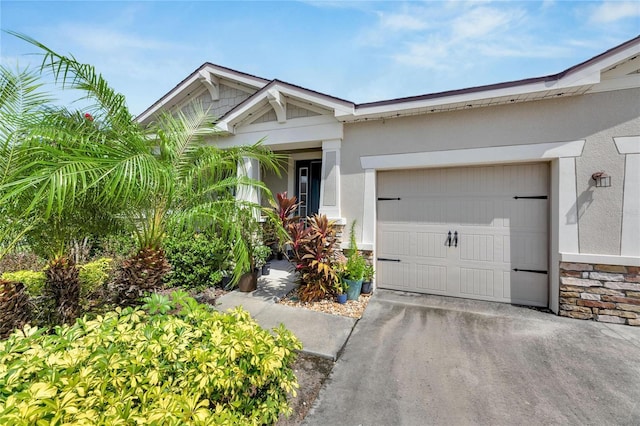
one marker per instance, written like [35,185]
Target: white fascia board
[177,91]
[256,82]
[249,81]
[464,98]
[339,108]
[462,157]
[587,76]
[277,91]
[275,134]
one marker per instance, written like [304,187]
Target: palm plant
[21,102]
[155,177]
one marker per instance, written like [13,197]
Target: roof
[575,80]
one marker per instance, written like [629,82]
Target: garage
[470,232]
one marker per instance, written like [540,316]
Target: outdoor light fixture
[602,179]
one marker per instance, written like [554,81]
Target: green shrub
[33,281]
[176,362]
[196,260]
[94,275]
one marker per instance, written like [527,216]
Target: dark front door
[308,176]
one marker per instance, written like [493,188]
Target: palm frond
[70,73]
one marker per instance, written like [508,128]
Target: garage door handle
[455,239]
[384,259]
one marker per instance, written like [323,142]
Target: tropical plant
[151,177]
[15,307]
[34,281]
[197,259]
[22,101]
[174,362]
[261,254]
[312,246]
[355,267]
[369,273]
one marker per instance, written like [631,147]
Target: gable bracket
[211,82]
[279,104]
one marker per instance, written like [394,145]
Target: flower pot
[248,282]
[226,280]
[266,268]
[366,287]
[280,255]
[342,298]
[353,291]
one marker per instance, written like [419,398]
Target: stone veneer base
[605,293]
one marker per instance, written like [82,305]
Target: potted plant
[261,254]
[367,279]
[251,235]
[341,295]
[353,269]
[353,273]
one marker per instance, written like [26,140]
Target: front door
[308,177]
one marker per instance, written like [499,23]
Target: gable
[292,112]
[228,97]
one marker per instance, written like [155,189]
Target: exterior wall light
[602,179]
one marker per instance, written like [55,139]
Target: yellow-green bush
[172,362]
[93,275]
[33,281]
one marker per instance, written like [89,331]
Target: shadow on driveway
[415,360]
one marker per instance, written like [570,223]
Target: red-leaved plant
[312,246]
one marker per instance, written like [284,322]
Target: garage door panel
[432,278]
[430,244]
[477,247]
[394,242]
[496,232]
[395,275]
[478,282]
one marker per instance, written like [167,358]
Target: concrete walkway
[321,334]
[422,360]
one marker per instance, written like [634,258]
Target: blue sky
[358,50]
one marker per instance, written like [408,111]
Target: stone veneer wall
[606,293]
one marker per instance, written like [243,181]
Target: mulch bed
[351,309]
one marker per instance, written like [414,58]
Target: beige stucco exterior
[580,121]
[596,118]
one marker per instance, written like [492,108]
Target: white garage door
[472,232]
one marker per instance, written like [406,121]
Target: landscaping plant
[15,308]
[69,168]
[312,245]
[173,362]
[197,260]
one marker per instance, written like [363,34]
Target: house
[524,192]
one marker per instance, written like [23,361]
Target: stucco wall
[274,183]
[596,118]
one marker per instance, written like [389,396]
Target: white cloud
[612,11]
[483,21]
[99,39]
[547,4]
[401,22]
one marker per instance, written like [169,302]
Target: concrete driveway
[416,360]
